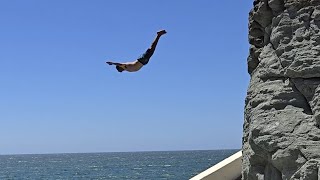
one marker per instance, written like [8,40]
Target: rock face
[281,137]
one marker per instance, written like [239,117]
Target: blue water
[177,165]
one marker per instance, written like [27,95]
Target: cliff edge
[281,137]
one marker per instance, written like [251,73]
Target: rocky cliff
[282,111]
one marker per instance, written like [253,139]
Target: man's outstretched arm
[114,63]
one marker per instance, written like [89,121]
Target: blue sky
[58,95]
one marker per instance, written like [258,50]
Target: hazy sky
[58,95]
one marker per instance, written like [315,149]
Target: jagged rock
[281,137]
[309,170]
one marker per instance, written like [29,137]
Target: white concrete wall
[228,169]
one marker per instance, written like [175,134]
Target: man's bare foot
[162,32]
[110,63]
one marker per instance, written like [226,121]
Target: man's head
[120,69]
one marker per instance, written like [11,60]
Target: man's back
[132,66]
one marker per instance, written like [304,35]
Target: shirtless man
[140,62]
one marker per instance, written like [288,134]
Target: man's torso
[133,66]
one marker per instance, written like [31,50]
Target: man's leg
[155,42]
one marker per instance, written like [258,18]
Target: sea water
[175,165]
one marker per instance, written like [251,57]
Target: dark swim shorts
[145,57]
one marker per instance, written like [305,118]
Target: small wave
[93,166]
[137,168]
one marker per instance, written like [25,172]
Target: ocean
[170,165]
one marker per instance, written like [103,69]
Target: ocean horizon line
[101,152]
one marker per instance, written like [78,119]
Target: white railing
[228,169]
